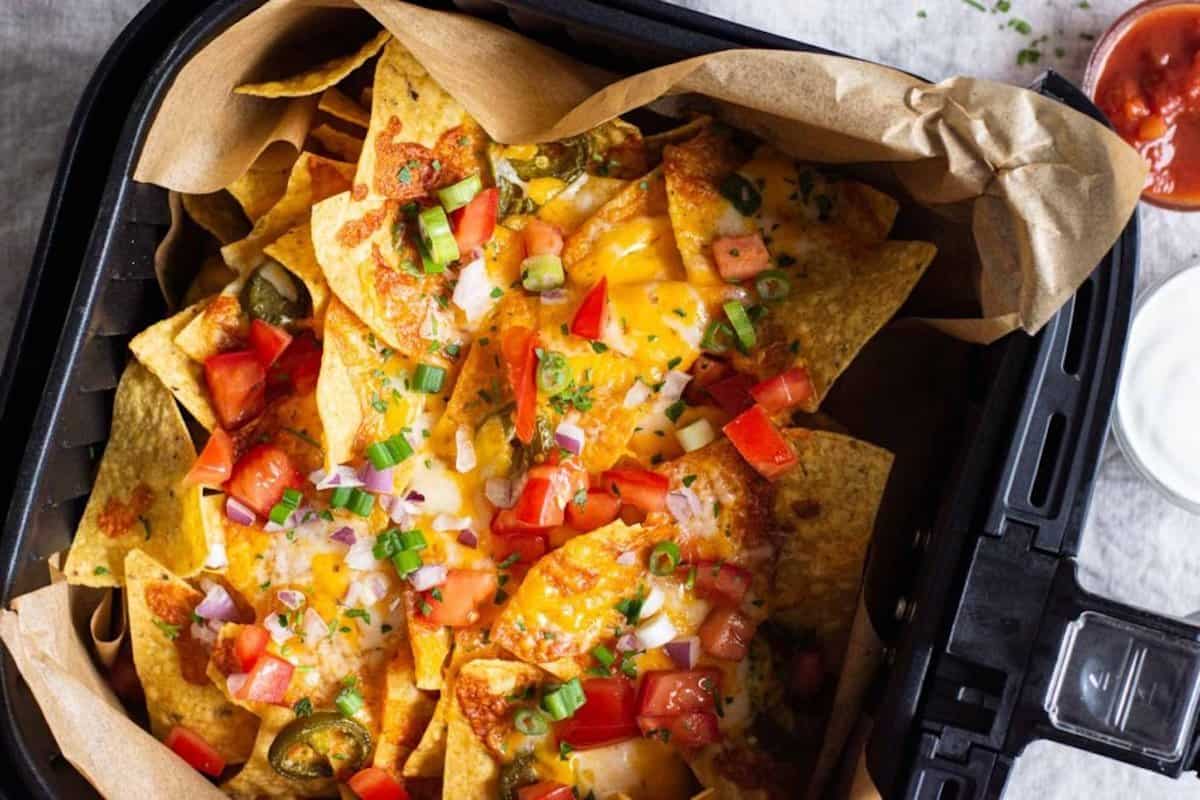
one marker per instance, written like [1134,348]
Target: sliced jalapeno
[318,746]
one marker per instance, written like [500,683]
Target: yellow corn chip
[258,778]
[339,144]
[138,500]
[406,714]
[258,189]
[155,348]
[218,213]
[212,278]
[320,77]
[430,646]
[336,104]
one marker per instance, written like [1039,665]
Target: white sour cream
[1158,403]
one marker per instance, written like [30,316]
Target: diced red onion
[499,492]
[317,475]
[235,682]
[217,604]
[467,538]
[238,512]
[449,522]
[366,591]
[274,527]
[554,297]
[569,437]
[314,625]
[279,633]
[414,496]
[652,603]
[464,445]
[627,643]
[345,535]
[360,555]
[204,634]
[638,393]
[655,633]
[290,598]
[674,384]
[683,504]
[341,476]
[378,481]
[684,652]
[627,559]
[427,577]
[217,558]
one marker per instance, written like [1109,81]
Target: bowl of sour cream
[1157,420]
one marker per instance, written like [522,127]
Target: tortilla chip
[363,242]
[478,719]
[361,391]
[628,240]
[580,200]
[155,348]
[171,663]
[212,278]
[320,77]
[542,622]
[336,143]
[406,714]
[827,503]
[294,250]
[312,179]
[636,769]
[258,189]
[258,778]
[336,104]
[138,500]
[430,645]
[218,213]
[221,326]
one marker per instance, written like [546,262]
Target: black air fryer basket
[994,643]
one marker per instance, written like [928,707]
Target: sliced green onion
[664,558]
[603,655]
[742,326]
[349,702]
[575,695]
[429,379]
[380,455]
[428,265]
[530,721]
[774,284]
[399,447]
[360,502]
[280,513]
[742,193]
[292,498]
[406,561]
[542,273]
[555,705]
[696,435]
[412,540]
[459,194]
[690,583]
[718,337]
[387,544]
[437,236]
[340,497]
[554,374]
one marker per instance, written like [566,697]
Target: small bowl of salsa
[1144,74]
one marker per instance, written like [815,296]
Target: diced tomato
[267,681]
[785,390]
[475,222]
[539,506]
[505,523]
[808,674]
[249,645]
[637,487]
[665,692]
[518,347]
[214,464]
[374,783]
[545,790]
[542,238]
[609,714]
[599,508]
[687,731]
[726,633]
[720,583]
[261,475]
[237,384]
[761,443]
[740,257]
[268,341]
[732,394]
[462,592]
[192,748]
[297,369]
[528,547]
[589,317]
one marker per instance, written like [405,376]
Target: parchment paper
[1044,190]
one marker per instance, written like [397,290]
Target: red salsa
[1149,86]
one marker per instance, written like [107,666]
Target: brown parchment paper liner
[1045,191]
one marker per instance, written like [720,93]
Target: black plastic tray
[1029,470]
